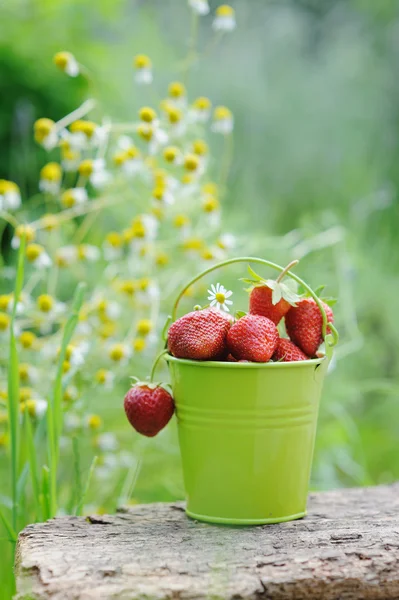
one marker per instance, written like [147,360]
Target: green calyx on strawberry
[148,407]
[270,298]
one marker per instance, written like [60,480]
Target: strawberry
[199,335]
[270,298]
[286,351]
[261,303]
[148,407]
[253,338]
[304,325]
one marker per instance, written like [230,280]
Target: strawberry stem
[155,364]
[287,268]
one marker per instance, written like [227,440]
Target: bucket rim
[248,365]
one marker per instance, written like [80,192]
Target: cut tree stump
[347,547]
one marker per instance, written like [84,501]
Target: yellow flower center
[200,147]
[210,204]
[27,339]
[51,172]
[193,243]
[145,131]
[45,303]
[128,287]
[61,59]
[147,114]
[86,127]
[222,113]
[4,321]
[117,352]
[161,259]
[220,298]
[170,153]
[27,231]
[191,162]
[225,11]
[207,254]
[138,344]
[210,188]
[101,376]
[94,422]
[114,239]
[86,167]
[5,300]
[202,103]
[33,251]
[144,326]
[25,393]
[142,61]
[68,199]
[42,128]
[174,115]
[132,152]
[158,193]
[119,158]
[176,90]
[181,221]
[24,372]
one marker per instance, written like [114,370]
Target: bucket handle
[330,339]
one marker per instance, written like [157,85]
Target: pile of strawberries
[210,334]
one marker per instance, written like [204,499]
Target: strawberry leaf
[254,275]
[276,294]
[240,313]
[330,301]
[319,290]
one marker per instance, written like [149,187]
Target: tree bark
[347,547]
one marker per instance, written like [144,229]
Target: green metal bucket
[246,435]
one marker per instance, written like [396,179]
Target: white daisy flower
[10,196]
[99,176]
[74,196]
[143,69]
[223,121]
[225,19]
[218,296]
[107,442]
[37,256]
[67,63]
[201,7]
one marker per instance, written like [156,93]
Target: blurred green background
[314,90]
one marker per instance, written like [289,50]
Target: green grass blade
[79,508]
[78,490]
[13,388]
[33,463]
[45,498]
[52,459]
[10,529]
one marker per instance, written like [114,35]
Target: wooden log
[347,547]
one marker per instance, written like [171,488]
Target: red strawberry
[260,303]
[304,325]
[286,351]
[271,298]
[148,408]
[253,338]
[199,335]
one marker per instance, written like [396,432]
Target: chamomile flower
[177,94]
[218,296]
[67,63]
[70,159]
[200,111]
[95,171]
[37,256]
[143,69]
[119,353]
[88,253]
[201,7]
[105,378]
[66,256]
[74,196]
[45,132]
[128,157]
[28,374]
[225,19]
[36,407]
[227,241]
[50,178]
[113,246]
[23,230]
[10,196]
[223,121]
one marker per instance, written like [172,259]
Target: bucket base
[248,522]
